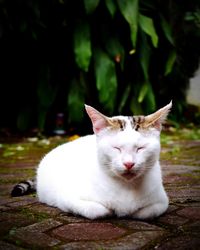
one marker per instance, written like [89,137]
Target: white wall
[193,95]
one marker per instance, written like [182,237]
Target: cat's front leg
[94,210]
[89,209]
[151,211]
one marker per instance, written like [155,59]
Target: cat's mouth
[129,175]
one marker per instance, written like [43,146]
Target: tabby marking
[135,122]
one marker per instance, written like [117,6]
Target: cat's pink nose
[128,165]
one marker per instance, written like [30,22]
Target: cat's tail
[23,188]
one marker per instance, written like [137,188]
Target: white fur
[85,176]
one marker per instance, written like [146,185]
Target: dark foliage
[125,56]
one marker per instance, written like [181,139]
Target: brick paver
[84,231]
[27,224]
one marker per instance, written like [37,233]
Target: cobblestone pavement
[27,224]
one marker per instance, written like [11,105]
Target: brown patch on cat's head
[138,122]
[101,121]
[117,124]
[153,120]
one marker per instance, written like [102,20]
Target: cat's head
[128,145]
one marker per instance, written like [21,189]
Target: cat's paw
[93,210]
[151,211]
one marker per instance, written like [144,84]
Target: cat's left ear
[156,119]
[99,121]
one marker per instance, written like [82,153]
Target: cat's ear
[156,119]
[99,121]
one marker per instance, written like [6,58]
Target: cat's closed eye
[140,149]
[117,148]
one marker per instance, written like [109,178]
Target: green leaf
[46,92]
[170,62]
[111,6]
[124,98]
[115,49]
[75,102]
[189,16]
[82,46]
[143,92]
[146,24]
[106,80]
[148,6]
[129,10]
[167,30]
[91,5]
[23,26]
[135,107]
[42,114]
[145,53]
[147,95]
[150,99]
[23,119]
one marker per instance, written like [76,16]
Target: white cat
[115,171]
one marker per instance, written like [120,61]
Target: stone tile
[5,190]
[134,241]
[4,208]
[34,236]
[10,216]
[190,212]
[19,165]
[138,225]
[6,200]
[10,177]
[176,175]
[9,221]
[35,240]
[173,220]
[180,243]
[178,169]
[24,202]
[8,246]
[41,227]
[182,194]
[189,204]
[83,245]
[88,231]
[193,227]
[171,209]
[42,208]
[174,179]
[185,200]
[69,218]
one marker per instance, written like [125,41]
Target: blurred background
[120,56]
